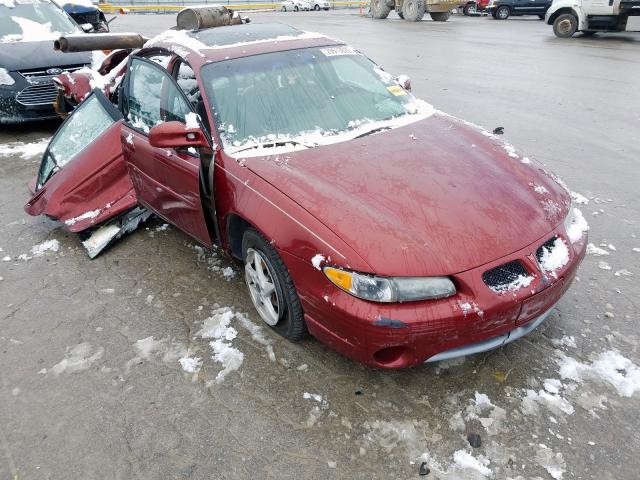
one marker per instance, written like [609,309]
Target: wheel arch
[561,11]
[236,226]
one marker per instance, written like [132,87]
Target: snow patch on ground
[553,463]
[579,199]
[24,150]
[190,364]
[48,245]
[565,341]
[217,327]
[465,461]
[608,367]
[596,251]
[77,358]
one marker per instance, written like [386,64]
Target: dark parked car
[28,62]
[503,9]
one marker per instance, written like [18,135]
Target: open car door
[83,180]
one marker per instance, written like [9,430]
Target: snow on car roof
[185,42]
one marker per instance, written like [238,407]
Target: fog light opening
[396,356]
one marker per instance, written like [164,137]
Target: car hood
[27,55]
[435,197]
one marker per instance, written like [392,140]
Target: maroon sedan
[390,231]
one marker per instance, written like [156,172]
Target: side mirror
[176,134]
[404,82]
[86,27]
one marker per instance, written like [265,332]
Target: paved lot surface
[82,398]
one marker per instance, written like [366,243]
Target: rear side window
[153,97]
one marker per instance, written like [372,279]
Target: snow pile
[217,327]
[5,78]
[8,3]
[597,251]
[79,357]
[555,257]
[577,227]
[467,308]
[565,341]
[40,249]
[521,282]
[480,409]
[191,121]
[317,260]
[465,461]
[31,31]
[318,409]
[579,199]
[190,364]
[623,273]
[24,150]
[551,398]
[602,265]
[554,464]
[609,366]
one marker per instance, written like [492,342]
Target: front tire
[440,16]
[413,10]
[316,7]
[379,9]
[565,25]
[271,288]
[502,13]
[296,9]
[470,9]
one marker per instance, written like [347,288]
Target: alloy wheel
[262,286]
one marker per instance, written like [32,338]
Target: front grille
[40,94]
[35,74]
[500,277]
[548,245]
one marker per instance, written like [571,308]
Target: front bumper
[475,319]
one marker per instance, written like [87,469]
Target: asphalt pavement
[91,384]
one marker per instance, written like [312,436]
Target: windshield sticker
[336,51]
[397,90]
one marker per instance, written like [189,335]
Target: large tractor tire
[413,10]
[565,25]
[379,9]
[440,16]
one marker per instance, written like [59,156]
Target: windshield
[32,21]
[304,98]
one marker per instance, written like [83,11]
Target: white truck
[592,16]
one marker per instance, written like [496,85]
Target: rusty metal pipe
[199,17]
[98,41]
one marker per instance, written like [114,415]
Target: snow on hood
[433,197]
[31,32]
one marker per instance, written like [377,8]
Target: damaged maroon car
[392,232]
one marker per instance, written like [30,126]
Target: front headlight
[390,289]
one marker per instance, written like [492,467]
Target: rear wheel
[379,9]
[565,25]
[296,9]
[502,13]
[316,7]
[413,10]
[272,291]
[470,9]
[440,16]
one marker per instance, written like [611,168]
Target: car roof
[235,41]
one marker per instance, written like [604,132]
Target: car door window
[153,97]
[90,120]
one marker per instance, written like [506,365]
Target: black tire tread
[293,327]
